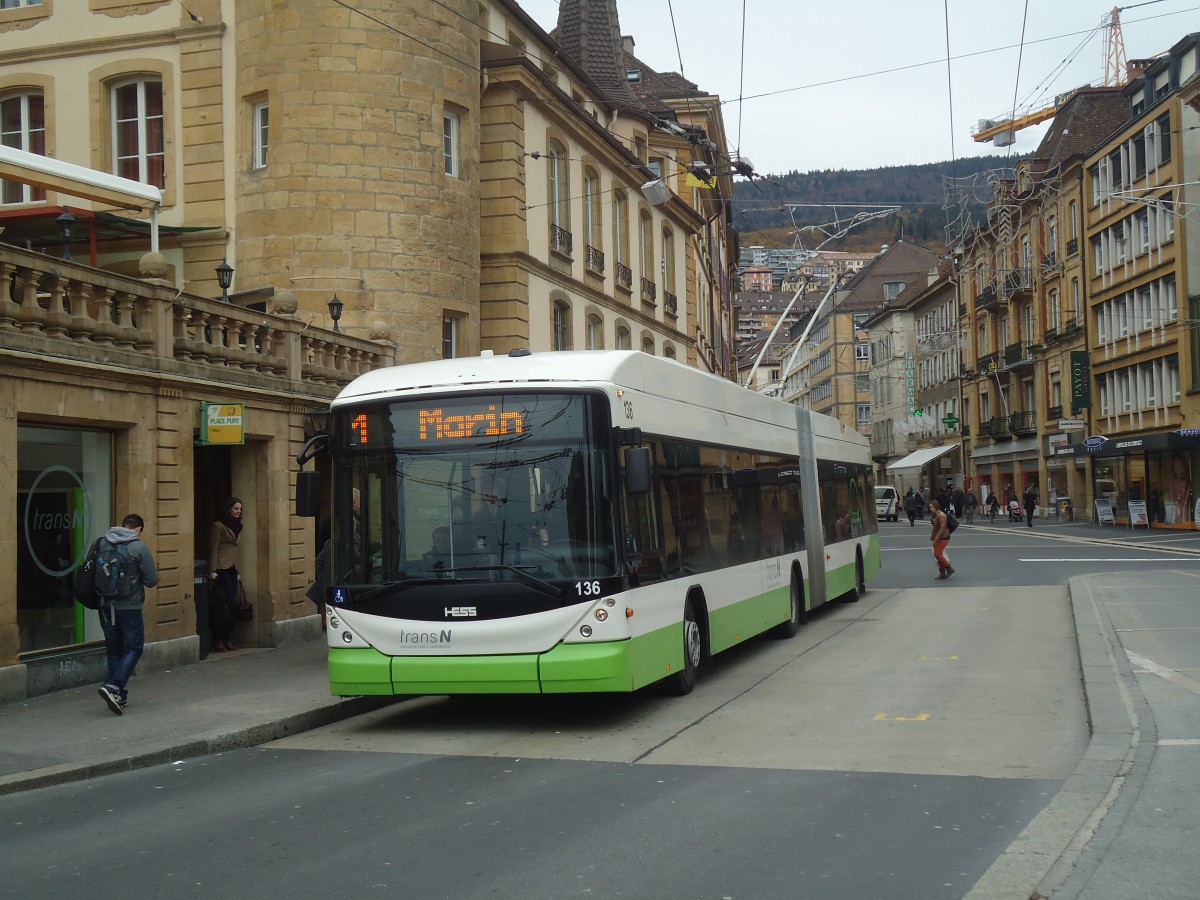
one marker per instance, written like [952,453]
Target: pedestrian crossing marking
[884,717]
[937,659]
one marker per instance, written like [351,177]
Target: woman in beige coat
[223,573]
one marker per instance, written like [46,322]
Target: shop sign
[222,424]
[1094,442]
[1104,512]
[1071,425]
[1137,513]
[1081,380]
[910,392]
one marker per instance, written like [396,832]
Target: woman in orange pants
[940,537]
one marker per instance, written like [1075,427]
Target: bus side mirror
[308,493]
[637,470]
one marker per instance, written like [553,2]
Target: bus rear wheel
[682,682]
[860,579]
[798,613]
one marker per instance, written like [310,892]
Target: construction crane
[1003,132]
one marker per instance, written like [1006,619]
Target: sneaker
[113,699]
[950,571]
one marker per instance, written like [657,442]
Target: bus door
[642,513]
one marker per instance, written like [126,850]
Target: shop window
[64,502]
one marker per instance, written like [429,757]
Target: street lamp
[318,420]
[335,311]
[224,279]
[66,231]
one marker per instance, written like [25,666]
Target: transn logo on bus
[436,424]
[461,612]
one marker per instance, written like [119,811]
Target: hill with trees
[762,215]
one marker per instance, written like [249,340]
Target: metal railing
[624,276]
[1024,422]
[649,291]
[561,240]
[595,260]
[1018,354]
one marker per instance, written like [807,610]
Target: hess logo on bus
[461,612]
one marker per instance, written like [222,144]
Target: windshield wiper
[544,587]
[378,589]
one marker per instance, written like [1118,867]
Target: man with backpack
[943,525]
[124,569]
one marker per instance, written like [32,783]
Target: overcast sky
[865,83]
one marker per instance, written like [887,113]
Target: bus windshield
[496,487]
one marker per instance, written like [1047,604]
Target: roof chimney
[627,43]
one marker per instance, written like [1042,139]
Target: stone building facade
[447,172]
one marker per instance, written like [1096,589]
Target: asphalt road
[893,749]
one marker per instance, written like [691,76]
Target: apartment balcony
[649,292]
[1052,266]
[1018,280]
[561,241]
[95,319]
[1050,336]
[1023,423]
[1054,413]
[670,303]
[999,427]
[986,300]
[594,260]
[624,276]
[1072,246]
[1019,354]
[989,364]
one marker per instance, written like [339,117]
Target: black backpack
[85,579]
[116,571]
[951,522]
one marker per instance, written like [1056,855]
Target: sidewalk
[227,701]
[1123,825]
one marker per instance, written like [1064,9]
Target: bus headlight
[586,630]
[601,615]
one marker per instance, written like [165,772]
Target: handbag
[243,609]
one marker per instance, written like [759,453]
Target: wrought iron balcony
[670,303]
[989,363]
[999,427]
[561,240]
[1017,281]
[1018,354]
[1054,413]
[624,276]
[1072,246]
[1051,335]
[649,291]
[1024,422]
[595,260]
[987,299]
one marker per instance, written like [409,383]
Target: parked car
[887,503]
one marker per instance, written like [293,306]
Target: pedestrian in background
[223,557]
[1031,499]
[972,503]
[912,503]
[121,618]
[940,538]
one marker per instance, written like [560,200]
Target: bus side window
[642,549]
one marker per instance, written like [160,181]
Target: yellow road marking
[884,717]
[937,659]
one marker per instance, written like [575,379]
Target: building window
[648,345]
[260,119]
[560,187]
[451,142]
[450,335]
[595,333]
[23,127]
[891,290]
[561,337]
[862,352]
[64,502]
[624,338]
[138,131]
[646,245]
[1052,312]
[621,227]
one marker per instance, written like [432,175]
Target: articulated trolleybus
[576,521]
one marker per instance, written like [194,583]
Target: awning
[918,458]
[80,181]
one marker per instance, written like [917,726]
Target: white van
[887,504]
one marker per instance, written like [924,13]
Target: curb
[248,736]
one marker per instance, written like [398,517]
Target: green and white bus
[576,521]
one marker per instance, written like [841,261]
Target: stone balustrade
[70,310]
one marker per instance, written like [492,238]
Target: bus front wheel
[682,682]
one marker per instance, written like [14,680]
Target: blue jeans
[124,639]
